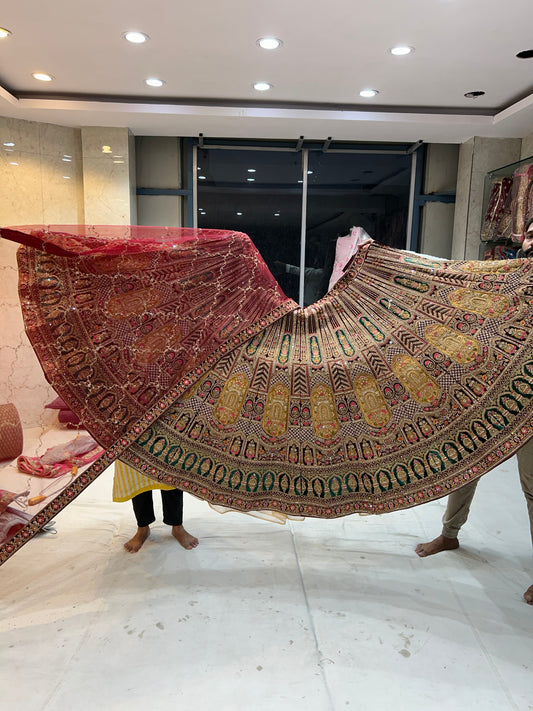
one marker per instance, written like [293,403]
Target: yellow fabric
[128,482]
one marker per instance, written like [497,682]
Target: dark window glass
[352,190]
[257,192]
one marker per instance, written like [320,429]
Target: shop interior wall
[51,175]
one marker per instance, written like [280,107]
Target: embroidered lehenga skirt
[183,358]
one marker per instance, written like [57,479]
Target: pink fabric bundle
[64,413]
[62,458]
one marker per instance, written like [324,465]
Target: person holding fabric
[459,502]
[128,483]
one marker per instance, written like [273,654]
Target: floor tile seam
[320,656]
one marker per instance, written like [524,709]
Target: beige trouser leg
[459,502]
[525,468]
[457,509]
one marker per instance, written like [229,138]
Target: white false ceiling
[206,53]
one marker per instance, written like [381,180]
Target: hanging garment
[345,249]
[522,200]
[181,355]
[497,223]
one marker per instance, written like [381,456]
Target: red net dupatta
[119,316]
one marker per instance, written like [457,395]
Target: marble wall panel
[33,190]
[106,176]
[480,155]
[21,196]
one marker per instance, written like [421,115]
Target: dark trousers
[143,507]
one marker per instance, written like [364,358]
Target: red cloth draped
[120,315]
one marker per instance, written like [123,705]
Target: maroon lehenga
[181,356]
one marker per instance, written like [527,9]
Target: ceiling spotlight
[401,50]
[368,93]
[262,86]
[239,213]
[42,77]
[4,33]
[250,170]
[135,37]
[251,180]
[526,54]
[154,82]
[9,144]
[269,43]
[474,94]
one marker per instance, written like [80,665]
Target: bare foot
[184,538]
[135,543]
[528,595]
[437,545]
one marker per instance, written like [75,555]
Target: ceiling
[207,55]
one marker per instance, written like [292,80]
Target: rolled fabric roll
[11,437]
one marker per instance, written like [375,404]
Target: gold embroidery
[230,403]
[275,419]
[325,422]
[149,348]
[133,303]
[492,266]
[462,349]
[373,406]
[480,303]
[419,383]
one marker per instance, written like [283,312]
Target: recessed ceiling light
[474,94]
[251,180]
[42,77]
[135,37]
[269,43]
[276,214]
[250,170]
[368,93]
[401,50]
[154,82]
[4,33]
[525,54]
[201,177]
[13,163]
[67,160]
[262,86]
[9,144]
[239,213]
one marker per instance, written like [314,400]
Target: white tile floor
[318,616]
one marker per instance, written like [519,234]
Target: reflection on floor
[318,615]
